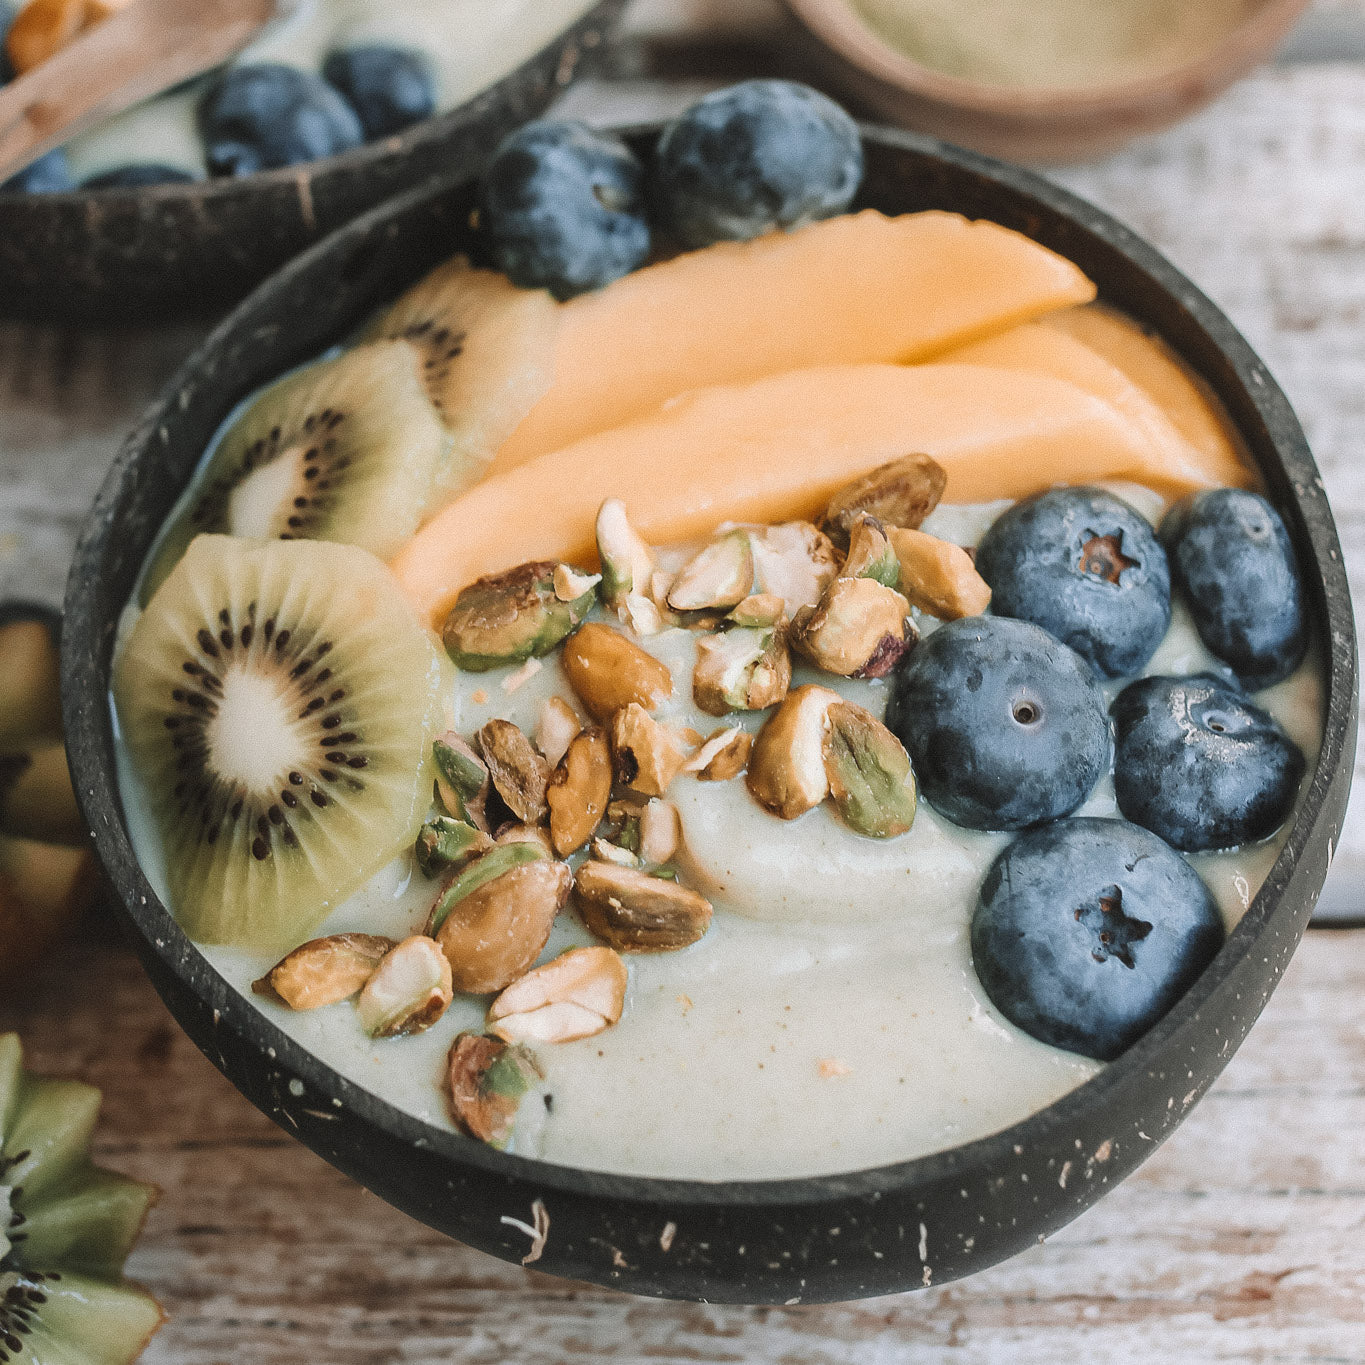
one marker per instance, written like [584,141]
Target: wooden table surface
[1242,1239]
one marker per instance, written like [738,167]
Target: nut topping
[572,584]
[506,617]
[939,577]
[647,755]
[660,832]
[870,552]
[787,765]
[627,562]
[493,934]
[518,770]
[608,672]
[499,859]
[461,779]
[870,779]
[794,560]
[744,668]
[324,970]
[855,619]
[409,992]
[555,729]
[606,851]
[579,791]
[638,913]
[578,994]
[900,493]
[720,576]
[485,1080]
[444,843]
[723,756]
[761,611]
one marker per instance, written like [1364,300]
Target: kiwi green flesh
[49,1135]
[278,700]
[90,1224]
[65,1318]
[11,1073]
[347,449]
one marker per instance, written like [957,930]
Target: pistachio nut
[627,562]
[514,832]
[870,779]
[647,756]
[409,992]
[622,826]
[660,832]
[492,935]
[556,727]
[638,913]
[741,669]
[795,561]
[517,768]
[870,552]
[571,585]
[761,611]
[579,790]
[900,493]
[505,617]
[578,994]
[445,843]
[485,1081]
[723,756]
[939,577]
[607,852]
[608,672]
[720,575]
[324,970]
[499,859]
[786,772]
[854,619]
[461,779]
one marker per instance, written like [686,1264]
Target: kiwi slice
[278,700]
[66,1228]
[347,449]
[30,703]
[44,888]
[487,355]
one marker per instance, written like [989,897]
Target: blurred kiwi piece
[66,1228]
[347,449]
[487,355]
[30,701]
[279,700]
[44,889]
[36,799]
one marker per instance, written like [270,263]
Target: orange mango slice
[778,448]
[858,288]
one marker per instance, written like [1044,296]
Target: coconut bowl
[845,1236]
[192,250]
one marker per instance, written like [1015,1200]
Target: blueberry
[137,175]
[50,174]
[1200,765]
[754,157]
[259,116]
[1232,559]
[563,207]
[1006,725]
[1087,931]
[1086,567]
[389,88]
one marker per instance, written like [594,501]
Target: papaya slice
[1040,348]
[778,448]
[858,288]
[1155,368]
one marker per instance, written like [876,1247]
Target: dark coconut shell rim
[1272,923]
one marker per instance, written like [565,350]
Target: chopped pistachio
[761,611]
[485,1081]
[741,669]
[638,913]
[641,614]
[515,832]
[505,617]
[900,493]
[853,619]
[608,671]
[578,994]
[579,790]
[723,756]
[324,970]
[786,772]
[623,822]
[795,561]
[939,577]
[870,779]
[493,934]
[499,859]
[461,779]
[646,754]
[409,992]
[870,552]
[519,677]
[627,562]
[445,843]
[517,768]
[556,728]
[571,584]
[660,832]
[718,576]
[607,852]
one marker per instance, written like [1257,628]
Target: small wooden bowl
[1049,125]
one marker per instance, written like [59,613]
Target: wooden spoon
[147,47]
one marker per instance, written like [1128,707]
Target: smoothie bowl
[735,885]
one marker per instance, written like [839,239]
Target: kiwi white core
[254,504]
[253,739]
